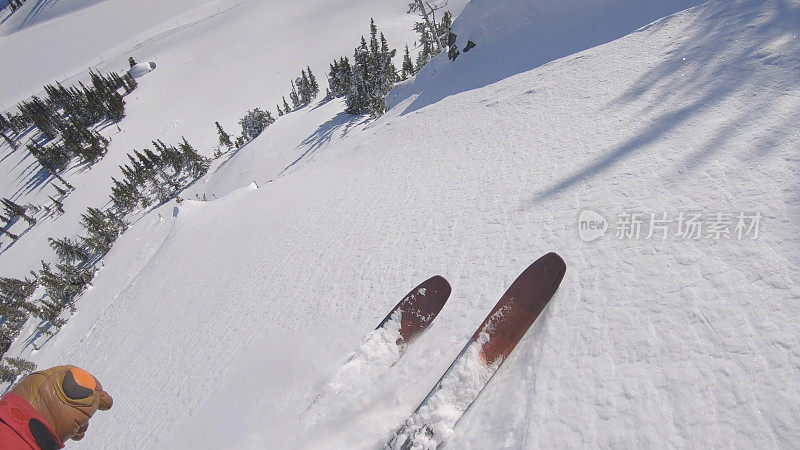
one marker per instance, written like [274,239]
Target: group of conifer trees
[156,176]
[304,90]
[66,119]
[15,4]
[366,81]
[151,176]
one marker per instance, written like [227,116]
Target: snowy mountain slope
[517,35]
[214,323]
[215,70]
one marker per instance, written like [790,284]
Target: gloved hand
[67,397]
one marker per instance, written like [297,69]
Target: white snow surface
[214,323]
[141,69]
[434,421]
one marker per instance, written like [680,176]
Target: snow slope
[214,324]
[213,70]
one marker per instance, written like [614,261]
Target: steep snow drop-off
[214,70]
[222,320]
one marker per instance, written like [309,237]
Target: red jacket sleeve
[23,428]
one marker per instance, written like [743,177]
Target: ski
[433,421]
[415,312]
[380,349]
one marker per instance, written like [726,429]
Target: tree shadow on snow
[689,79]
[342,121]
[555,29]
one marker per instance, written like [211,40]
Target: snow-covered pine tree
[130,83]
[68,250]
[304,88]
[312,81]
[280,111]
[358,96]
[195,162]
[408,66]
[339,77]
[224,138]
[124,195]
[373,75]
[286,109]
[426,52]
[131,61]
[255,122]
[294,97]
[445,26]
[115,106]
[52,159]
[102,228]
[387,72]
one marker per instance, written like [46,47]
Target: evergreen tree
[130,83]
[340,77]
[280,111]
[445,26]
[124,195]
[408,66]
[11,143]
[14,210]
[39,113]
[286,109]
[196,163]
[358,97]
[57,204]
[14,368]
[131,61]
[304,89]
[14,291]
[68,250]
[373,75]
[225,138]
[294,97]
[312,80]
[53,159]
[427,52]
[13,236]
[115,107]
[65,284]
[254,122]
[102,228]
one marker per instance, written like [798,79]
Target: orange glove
[67,397]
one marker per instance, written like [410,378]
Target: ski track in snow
[235,309]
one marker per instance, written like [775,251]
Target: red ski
[493,341]
[418,309]
[380,349]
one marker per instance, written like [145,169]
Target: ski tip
[441,284]
[554,263]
